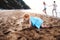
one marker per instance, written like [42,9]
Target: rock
[13,4]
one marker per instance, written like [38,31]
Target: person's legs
[45,11]
[56,13]
[45,25]
[53,12]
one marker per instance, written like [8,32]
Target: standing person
[54,9]
[44,10]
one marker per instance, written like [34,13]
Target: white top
[54,6]
[44,6]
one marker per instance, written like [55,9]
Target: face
[26,19]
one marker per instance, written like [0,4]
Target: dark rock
[57,37]
[13,4]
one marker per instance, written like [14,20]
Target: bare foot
[45,26]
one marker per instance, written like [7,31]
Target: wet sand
[10,30]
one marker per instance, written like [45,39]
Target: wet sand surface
[11,30]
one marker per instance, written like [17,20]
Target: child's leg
[45,26]
[45,11]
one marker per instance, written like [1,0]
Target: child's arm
[29,23]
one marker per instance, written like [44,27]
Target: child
[34,21]
[54,8]
[44,10]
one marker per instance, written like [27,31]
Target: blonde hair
[26,16]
